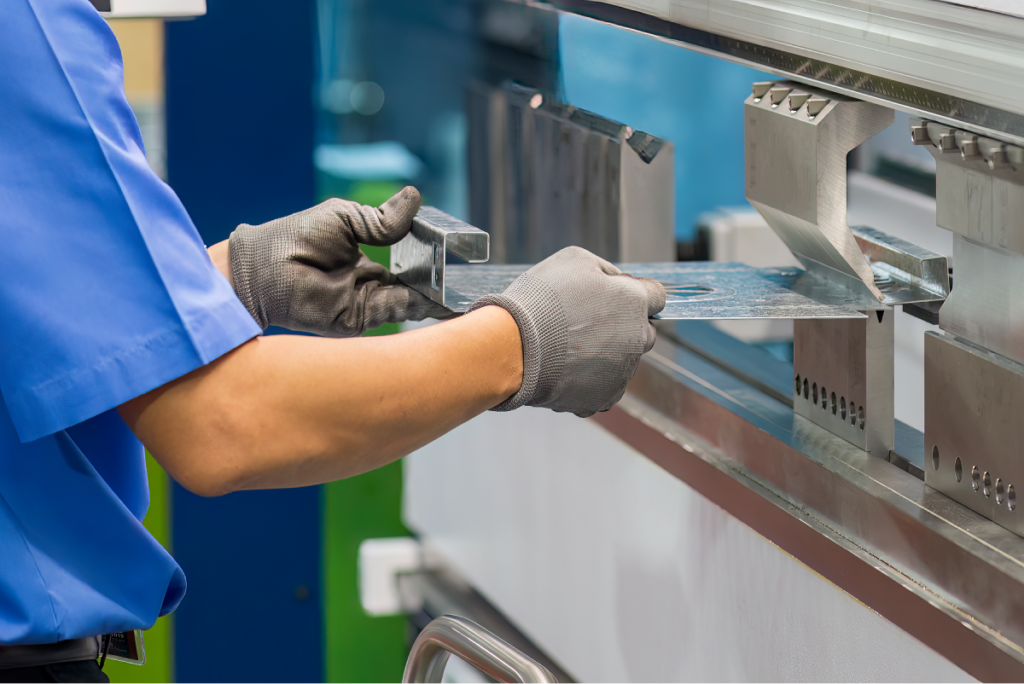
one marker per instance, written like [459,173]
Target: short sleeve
[106,290]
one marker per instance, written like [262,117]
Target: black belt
[32,655]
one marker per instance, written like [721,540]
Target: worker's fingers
[398,303]
[655,296]
[652,337]
[366,269]
[607,267]
[388,224]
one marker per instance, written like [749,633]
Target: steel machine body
[718,448]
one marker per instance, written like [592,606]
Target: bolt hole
[798,384]
[986,484]
[807,392]
[842,408]
[835,406]
[860,417]
[935,457]
[1000,492]
[958,469]
[824,398]
[814,393]
[975,478]
[853,414]
[1011,497]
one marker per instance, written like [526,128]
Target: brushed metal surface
[961,576]
[974,435]
[546,175]
[986,306]
[694,289]
[843,378]
[979,184]
[950,63]
[419,258]
[796,175]
[904,272]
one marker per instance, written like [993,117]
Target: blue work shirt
[106,292]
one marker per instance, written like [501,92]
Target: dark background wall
[240,135]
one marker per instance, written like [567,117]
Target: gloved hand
[305,272]
[584,325]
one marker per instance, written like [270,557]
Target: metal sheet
[696,290]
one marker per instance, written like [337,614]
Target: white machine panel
[169,9]
[620,572]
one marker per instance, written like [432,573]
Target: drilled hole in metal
[1011,497]
[824,398]
[1000,492]
[975,478]
[835,406]
[807,392]
[860,417]
[798,384]
[814,393]
[683,291]
[935,457]
[958,469]
[842,408]
[986,484]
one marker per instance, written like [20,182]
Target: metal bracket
[419,258]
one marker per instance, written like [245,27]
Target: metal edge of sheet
[696,290]
[949,109]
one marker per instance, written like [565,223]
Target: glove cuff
[242,254]
[543,329]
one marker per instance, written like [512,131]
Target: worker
[120,329]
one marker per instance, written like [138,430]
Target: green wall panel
[357,647]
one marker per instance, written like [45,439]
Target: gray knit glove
[305,272]
[584,325]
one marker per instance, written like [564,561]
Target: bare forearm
[288,411]
[220,255]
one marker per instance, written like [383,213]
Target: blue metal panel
[240,116]
[240,133]
[253,610]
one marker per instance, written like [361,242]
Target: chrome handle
[474,644]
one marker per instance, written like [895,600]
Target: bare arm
[289,411]
[220,255]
